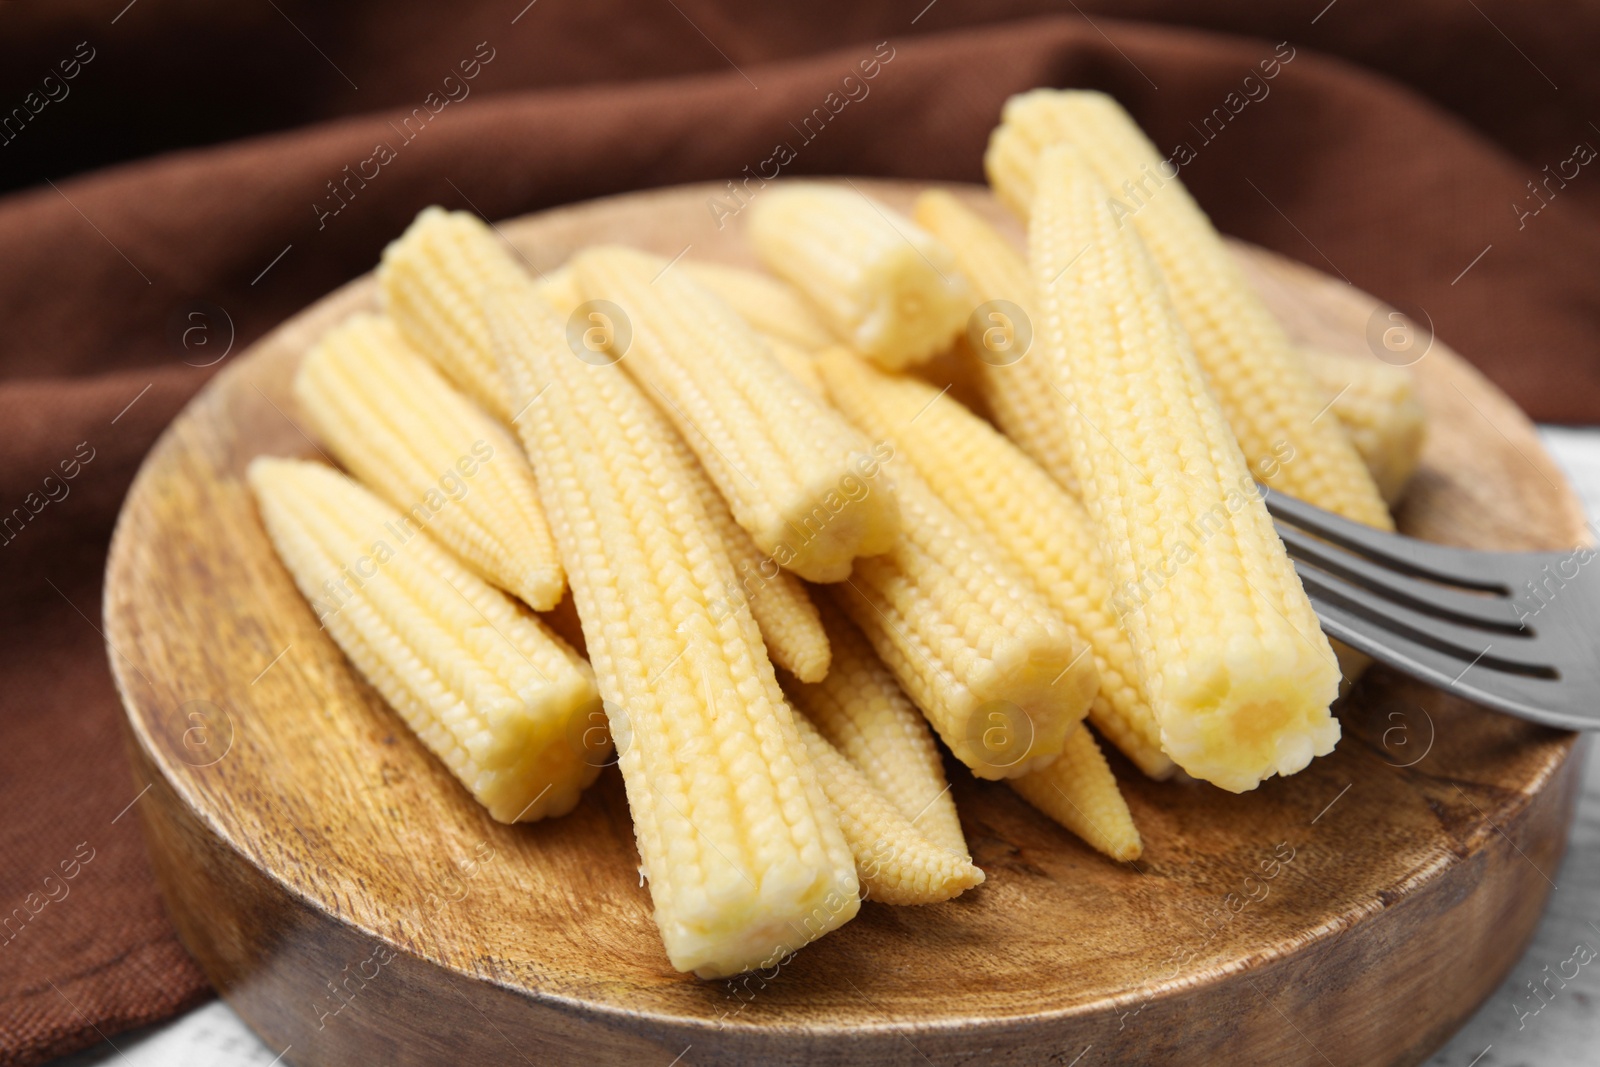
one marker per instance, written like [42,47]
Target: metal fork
[1515,631]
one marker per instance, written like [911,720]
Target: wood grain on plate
[353,903]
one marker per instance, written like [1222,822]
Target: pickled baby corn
[998,675]
[475,272]
[881,283]
[770,307]
[863,713]
[432,282]
[485,685]
[1267,394]
[396,424]
[1044,531]
[1079,792]
[1016,386]
[790,468]
[743,852]
[783,609]
[895,863]
[1377,405]
[1227,644]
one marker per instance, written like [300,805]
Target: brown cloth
[117,289]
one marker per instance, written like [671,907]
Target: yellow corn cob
[1016,388]
[1267,394]
[460,293]
[1042,530]
[768,305]
[882,284]
[743,853]
[1227,644]
[492,692]
[1079,792]
[783,610]
[559,289]
[396,424]
[861,711]
[789,466]
[894,862]
[999,676]
[1377,405]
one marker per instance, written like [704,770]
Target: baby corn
[396,424]
[894,862]
[1267,394]
[1016,385]
[1377,405]
[743,852]
[1228,646]
[882,284]
[783,610]
[492,692]
[1079,792]
[1043,531]
[999,676]
[432,282]
[768,305]
[790,468]
[463,293]
[863,713]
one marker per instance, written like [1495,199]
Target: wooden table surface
[1513,1027]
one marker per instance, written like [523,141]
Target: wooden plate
[353,904]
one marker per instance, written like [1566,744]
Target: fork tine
[1496,650]
[1535,699]
[1467,568]
[1430,598]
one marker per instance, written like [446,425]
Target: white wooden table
[1505,1032]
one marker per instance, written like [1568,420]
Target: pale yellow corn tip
[1079,792]
[895,863]
[863,713]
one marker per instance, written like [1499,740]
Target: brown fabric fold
[101,275]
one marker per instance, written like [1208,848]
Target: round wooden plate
[354,905]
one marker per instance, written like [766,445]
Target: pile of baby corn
[796,560]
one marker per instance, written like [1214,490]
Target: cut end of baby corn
[883,285]
[795,474]
[395,423]
[1227,644]
[1079,792]
[1041,529]
[863,713]
[743,853]
[895,863]
[432,282]
[1267,394]
[1378,407]
[484,684]
[770,306]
